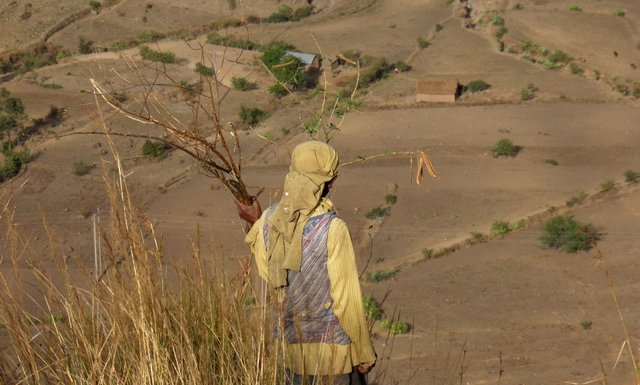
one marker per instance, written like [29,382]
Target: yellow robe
[327,358]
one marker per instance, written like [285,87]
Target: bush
[278,90]
[559,57]
[284,13]
[576,200]
[94,4]
[526,94]
[566,233]
[149,37]
[119,46]
[372,309]
[203,69]
[242,84]
[13,106]
[500,228]
[80,168]
[631,176]
[381,275]
[552,162]
[402,66]
[85,46]
[157,56]
[7,123]
[391,199]
[439,27]
[619,12]
[504,147]
[251,116]
[230,41]
[501,32]
[607,185]
[396,327]
[155,149]
[478,86]
[423,43]
[576,69]
[497,20]
[376,212]
[575,8]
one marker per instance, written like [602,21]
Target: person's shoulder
[337,223]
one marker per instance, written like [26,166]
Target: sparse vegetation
[376,212]
[203,69]
[155,149]
[576,69]
[149,37]
[478,86]
[381,275]
[250,115]
[526,94]
[157,56]
[286,13]
[396,327]
[586,325]
[439,27]
[391,199]
[500,228]
[119,46]
[578,199]
[566,233]
[372,309]
[80,168]
[631,176]
[422,42]
[85,46]
[402,66]
[619,12]
[575,8]
[504,148]
[607,185]
[552,162]
[53,86]
[95,5]
[231,41]
[478,237]
[501,31]
[242,84]
[518,7]
[497,20]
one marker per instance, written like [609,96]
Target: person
[304,252]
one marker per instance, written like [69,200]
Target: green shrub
[242,84]
[391,199]
[381,275]
[155,149]
[423,43]
[478,237]
[518,7]
[552,162]
[149,37]
[636,92]
[504,147]
[230,41]
[497,20]
[526,94]
[619,12]
[376,212]
[157,56]
[119,46]
[251,116]
[439,27]
[278,90]
[478,85]
[85,46]
[7,123]
[203,69]
[80,168]
[631,176]
[94,4]
[500,228]
[372,309]
[501,32]
[396,327]
[302,12]
[559,57]
[586,325]
[284,13]
[402,66]
[53,86]
[607,185]
[566,233]
[575,8]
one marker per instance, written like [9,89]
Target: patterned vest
[306,313]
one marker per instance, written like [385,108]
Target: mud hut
[437,90]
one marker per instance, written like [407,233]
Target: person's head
[317,161]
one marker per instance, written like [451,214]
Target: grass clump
[439,27]
[149,37]
[500,228]
[376,212]
[575,8]
[396,327]
[157,56]
[607,185]
[203,70]
[423,43]
[586,325]
[478,237]
[497,20]
[242,84]
[631,176]
[504,148]
[552,162]
[251,115]
[478,85]
[286,13]
[391,199]
[526,95]
[566,233]
[576,69]
[381,275]
[155,149]
[94,4]
[372,309]
[619,12]
[80,168]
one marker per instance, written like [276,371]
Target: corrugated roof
[305,58]
[437,86]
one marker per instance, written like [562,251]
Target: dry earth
[514,307]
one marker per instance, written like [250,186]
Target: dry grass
[143,320]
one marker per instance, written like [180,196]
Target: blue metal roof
[305,58]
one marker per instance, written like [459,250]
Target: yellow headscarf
[313,164]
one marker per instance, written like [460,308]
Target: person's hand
[250,213]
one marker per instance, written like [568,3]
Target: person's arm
[255,240]
[347,295]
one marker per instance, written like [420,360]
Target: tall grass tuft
[142,320]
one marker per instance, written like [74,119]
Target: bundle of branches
[213,144]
